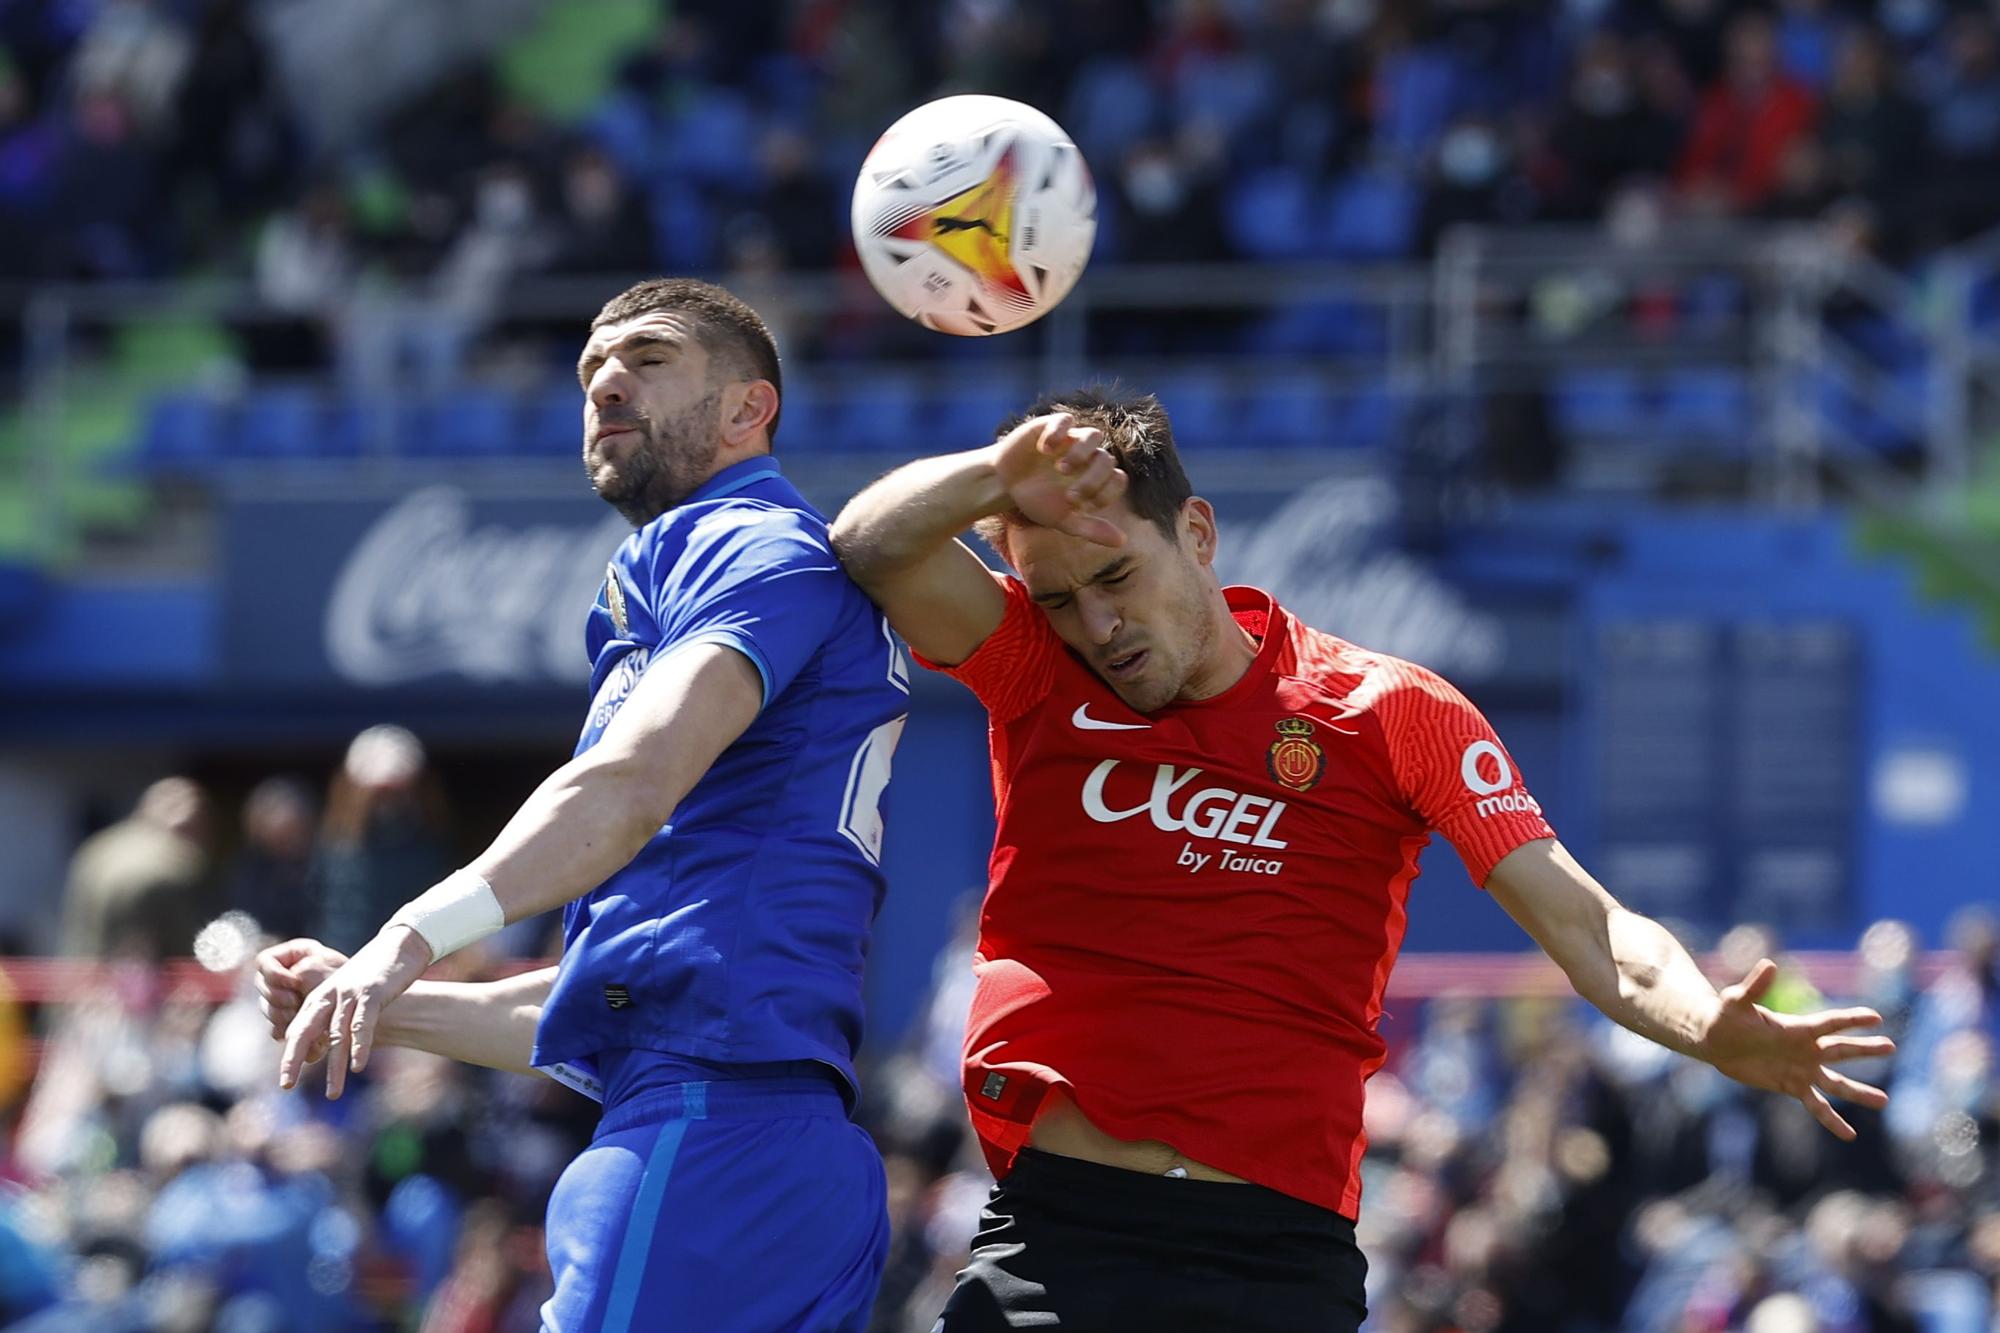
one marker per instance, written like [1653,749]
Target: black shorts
[1072,1245]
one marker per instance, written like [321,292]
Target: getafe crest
[1295,758]
[614,601]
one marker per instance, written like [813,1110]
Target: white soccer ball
[974,215]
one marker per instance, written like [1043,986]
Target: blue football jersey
[738,933]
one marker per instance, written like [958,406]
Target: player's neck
[1231,652]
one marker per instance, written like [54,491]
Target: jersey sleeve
[1455,773]
[1014,667]
[762,581]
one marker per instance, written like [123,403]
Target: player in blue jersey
[716,841]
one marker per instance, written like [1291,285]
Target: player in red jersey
[1209,817]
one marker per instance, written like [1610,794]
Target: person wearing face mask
[1473,180]
[1208,821]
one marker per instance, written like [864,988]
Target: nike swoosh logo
[1083,721]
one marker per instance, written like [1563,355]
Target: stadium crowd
[158,137]
[1531,1166]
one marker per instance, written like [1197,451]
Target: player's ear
[749,407]
[1198,530]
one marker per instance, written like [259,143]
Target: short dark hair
[727,329]
[1137,435]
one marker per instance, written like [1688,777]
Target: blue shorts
[751,1205]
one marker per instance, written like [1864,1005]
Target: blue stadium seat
[1712,405]
[472,421]
[1287,411]
[1598,402]
[807,417]
[1370,215]
[964,413]
[1228,92]
[1366,417]
[713,140]
[552,421]
[1346,329]
[1202,409]
[623,127]
[1112,105]
[1417,94]
[1806,45]
[1269,215]
[288,421]
[876,412]
[787,87]
[683,227]
[183,432]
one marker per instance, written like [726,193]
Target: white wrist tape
[459,910]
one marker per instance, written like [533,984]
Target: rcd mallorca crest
[1295,758]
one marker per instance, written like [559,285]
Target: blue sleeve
[763,581]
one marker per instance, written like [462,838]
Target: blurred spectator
[602,227]
[138,52]
[272,880]
[383,837]
[1962,195]
[1609,130]
[236,148]
[1473,181]
[141,887]
[1745,125]
[1171,193]
[1873,134]
[1692,29]
[304,265]
[799,208]
[102,218]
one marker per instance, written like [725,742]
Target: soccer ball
[974,215]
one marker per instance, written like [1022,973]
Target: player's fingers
[1833,1050]
[1754,984]
[1055,431]
[336,1047]
[1837,1084]
[1840,1020]
[1092,480]
[1822,1110]
[279,1013]
[1093,528]
[310,1019]
[1083,447]
[362,1040]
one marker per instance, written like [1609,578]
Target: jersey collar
[735,477]
[1264,620]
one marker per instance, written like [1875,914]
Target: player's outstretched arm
[583,824]
[1630,967]
[487,1023]
[899,538]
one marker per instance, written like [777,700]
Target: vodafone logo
[1473,771]
[1220,813]
[1475,780]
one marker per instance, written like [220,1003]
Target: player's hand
[1060,476]
[286,973]
[339,1017]
[1794,1053]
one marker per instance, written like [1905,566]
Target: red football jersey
[1192,913]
